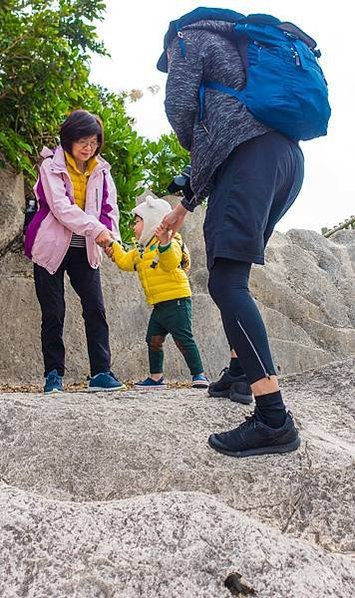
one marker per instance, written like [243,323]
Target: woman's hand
[104,238]
[175,219]
[163,234]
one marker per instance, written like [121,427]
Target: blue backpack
[285,86]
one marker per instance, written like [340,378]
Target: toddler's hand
[163,234]
[109,251]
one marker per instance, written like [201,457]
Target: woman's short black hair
[79,124]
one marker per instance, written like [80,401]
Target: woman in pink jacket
[77,215]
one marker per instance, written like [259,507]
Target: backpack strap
[237,93]
[299,34]
[185,263]
[105,206]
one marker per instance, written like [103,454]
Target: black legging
[242,321]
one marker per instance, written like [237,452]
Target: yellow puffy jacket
[160,273]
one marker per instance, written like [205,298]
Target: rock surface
[12,207]
[121,495]
[172,545]
[305,292]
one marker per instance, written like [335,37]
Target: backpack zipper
[296,55]
[267,375]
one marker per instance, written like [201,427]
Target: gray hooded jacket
[211,54]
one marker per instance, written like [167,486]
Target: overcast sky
[133,33]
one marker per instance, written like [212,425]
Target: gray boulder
[305,293]
[12,202]
[171,545]
[121,496]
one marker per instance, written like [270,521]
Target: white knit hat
[152,211]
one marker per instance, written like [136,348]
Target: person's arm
[125,260]
[68,214]
[170,255]
[182,88]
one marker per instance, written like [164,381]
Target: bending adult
[251,175]
[77,215]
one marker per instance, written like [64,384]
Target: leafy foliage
[124,149]
[44,68]
[45,48]
[165,158]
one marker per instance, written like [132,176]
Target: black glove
[187,191]
[182,183]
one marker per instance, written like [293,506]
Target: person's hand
[104,238]
[163,234]
[109,251]
[175,219]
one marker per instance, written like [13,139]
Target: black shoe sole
[242,399]
[266,450]
[222,394]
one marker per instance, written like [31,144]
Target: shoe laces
[54,378]
[224,371]
[254,417]
[251,420]
[108,373]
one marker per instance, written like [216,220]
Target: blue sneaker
[105,381]
[53,383]
[200,381]
[150,384]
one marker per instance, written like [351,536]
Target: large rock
[305,293]
[121,496]
[171,545]
[12,204]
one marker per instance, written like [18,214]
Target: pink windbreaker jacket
[49,233]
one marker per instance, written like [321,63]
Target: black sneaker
[253,437]
[221,387]
[240,392]
[235,388]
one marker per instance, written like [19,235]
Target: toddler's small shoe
[200,381]
[150,384]
[105,381]
[53,383]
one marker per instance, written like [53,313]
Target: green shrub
[44,69]
[45,51]
[165,158]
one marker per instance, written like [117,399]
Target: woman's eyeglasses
[83,143]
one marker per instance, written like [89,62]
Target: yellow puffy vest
[161,274]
